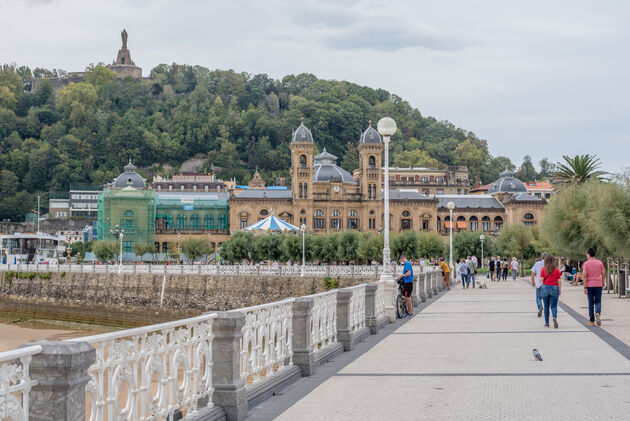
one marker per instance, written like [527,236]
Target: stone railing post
[61,370]
[435,285]
[415,295]
[389,291]
[422,291]
[229,389]
[344,319]
[303,353]
[371,318]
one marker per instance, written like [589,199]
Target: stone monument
[124,65]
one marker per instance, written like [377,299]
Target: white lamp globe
[450,205]
[303,227]
[386,126]
[482,237]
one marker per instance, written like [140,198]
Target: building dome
[130,178]
[370,135]
[302,134]
[325,169]
[507,184]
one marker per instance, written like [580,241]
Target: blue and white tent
[271,223]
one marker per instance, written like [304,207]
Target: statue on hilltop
[124,36]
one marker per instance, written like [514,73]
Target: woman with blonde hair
[551,288]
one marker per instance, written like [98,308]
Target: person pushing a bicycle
[407,282]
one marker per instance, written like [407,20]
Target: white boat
[20,248]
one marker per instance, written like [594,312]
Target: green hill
[86,132]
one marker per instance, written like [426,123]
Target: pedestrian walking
[491,268]
[472,269]
[594,276]
[551,288]
[514,268]
[506,266]
[463,270]
[446,274]
[536,283]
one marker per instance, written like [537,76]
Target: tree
[430,244]
[467,243]
[579,169]
[105,250]
[77,101]
[516,240]
[99,75]
[348,246]
[415,158]
[406,244]
[350,160]
[611,217]
[140,249]
[526,172]
[194,248]
[238,247]
[467,153]
[8,184]
[291,247]
[173,252]
[546,168]
[370,247]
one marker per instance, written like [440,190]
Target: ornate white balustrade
[357,306]
[15,383]
[266,345]
[379,301]
[151,372]
[324,320]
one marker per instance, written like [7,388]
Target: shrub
[330,283]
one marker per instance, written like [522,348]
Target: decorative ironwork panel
[15,383]
[151,372]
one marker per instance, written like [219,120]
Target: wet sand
[15,332]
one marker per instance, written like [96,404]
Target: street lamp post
[118,233]
[387,127]
[482,238]
[303,228]
[450,207]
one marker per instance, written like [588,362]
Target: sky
[544,78]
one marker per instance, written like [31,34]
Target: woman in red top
[551,288]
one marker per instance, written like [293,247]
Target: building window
[405,221]
[222,222]
[439,191]
[352,213]
[305,191]
[461,223]
[243,223]
[474,223]
[539,195]
[208,221]
[195,222]
[371,162]
[353,223]
[439,224]
[181,221]
[129,222]
[318,223]
[127,246]
[302,160]
[529,220]
[498,223]
[547,195]
[335,223]
[374,191]
[319,212]
[459,191]
[300,190]
[425,224]
[369,191]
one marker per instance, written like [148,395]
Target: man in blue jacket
[407,278]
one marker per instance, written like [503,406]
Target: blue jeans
[538,298]
[471,277]
[594,300]
[550,294]
[465,280]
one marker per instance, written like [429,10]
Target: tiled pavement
[468,356]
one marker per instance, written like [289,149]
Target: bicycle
[401,302]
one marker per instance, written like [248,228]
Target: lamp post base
[389,289]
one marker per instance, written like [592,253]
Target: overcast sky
[544,78]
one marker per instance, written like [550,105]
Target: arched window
[425,219]
[460,224]
[302,212]
[264,212]
[371,162]
[474,223]
[335,221]
[529,219]
[208,221]
[405,220]
[195,222]
[371,221]
[319,212]
[485,223]
[336,213]
[302,160]
[352,213]
[498,223]
[181,221]
[353,221]
[319,223]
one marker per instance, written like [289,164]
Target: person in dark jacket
[491,268]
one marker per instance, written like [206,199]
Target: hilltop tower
[124,65]
[370,163]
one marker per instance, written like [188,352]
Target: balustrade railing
[379,301]
[15,383]
[324,320]
[266,345]
[151,372]
[357,306]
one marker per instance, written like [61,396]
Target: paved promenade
[468,356]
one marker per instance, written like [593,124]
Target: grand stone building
[327,198]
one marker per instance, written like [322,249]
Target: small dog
[481,283]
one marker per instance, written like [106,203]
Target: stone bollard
[389,291]
[415,295]
[303,353]
[344,319]
[229,389]
[371,318]
[422,291]
[427,285]
[435,285]
[61,370]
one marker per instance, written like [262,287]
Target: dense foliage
[86,132]
[348,246]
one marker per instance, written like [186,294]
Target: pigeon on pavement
[537,354]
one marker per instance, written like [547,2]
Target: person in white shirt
[537,283]
[514,265]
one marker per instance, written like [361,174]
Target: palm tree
[579,169]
